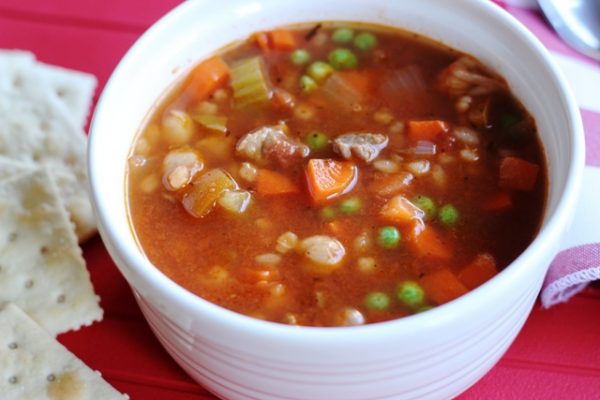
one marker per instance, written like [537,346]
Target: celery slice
[250,82]
[213,122]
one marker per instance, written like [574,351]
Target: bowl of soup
[335,200]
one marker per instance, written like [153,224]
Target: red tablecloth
[556,356]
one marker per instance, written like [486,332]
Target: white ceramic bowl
[437,354]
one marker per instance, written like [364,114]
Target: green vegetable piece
[351,205]
[448,215]
[426,204]
[213,122]
[342,35]
[377,301]
[307,84]
[365,41]
[300,56]
[410,293]
[319,71]
[250,82]
[342,59]
[317,141]
[328,212]
[388,237]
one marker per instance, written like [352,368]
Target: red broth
[336,175]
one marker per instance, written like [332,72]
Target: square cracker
[35,128]
[75,89]
[41,266]
[34,366]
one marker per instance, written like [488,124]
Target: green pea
[342,35]
[426,204]
[351,205]
[307,84]
[365,41]
[410,293]
[448,215]
[317,141]
[328,212]
[377,301]
[319,70]
[342,59]
[388,237]
[300,56]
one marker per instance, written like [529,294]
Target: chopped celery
[213,122]
[250,82]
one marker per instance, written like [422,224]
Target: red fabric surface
[556,356]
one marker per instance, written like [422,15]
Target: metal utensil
[577,22]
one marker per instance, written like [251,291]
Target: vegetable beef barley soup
[336,175]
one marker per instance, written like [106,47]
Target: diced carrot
[442,286]
[207,77]
[282,39]
[399,210]
[497,202]
[271,183]
[426,241]
[328,179]
[480,270]
[426,130]
[262,39]
[518,174]
[361,82]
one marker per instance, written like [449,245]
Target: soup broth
[336,175]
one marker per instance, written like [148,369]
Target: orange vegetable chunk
[426,241]
[442,286]
[271,183]
[282,39]
[262,39]
[426,130]
[399,210]
[518,174]
[479,271]
[207,77]
[328,179]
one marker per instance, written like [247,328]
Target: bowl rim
[152,277]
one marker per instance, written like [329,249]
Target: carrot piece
[207,77]
[497,202]
[518,174]
[262,39]
[360,81]
[426,241]
[282,39]
[399,210]
[442,286]
[426,130]
[480,270]
[271,183]
[328,179]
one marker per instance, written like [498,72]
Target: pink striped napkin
[578,263]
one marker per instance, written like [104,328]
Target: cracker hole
[44,250]
[29,284]
[13,345]
[61,298]
[13,379]
[13,236]
[18,81]
[51,378]
[61,93]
